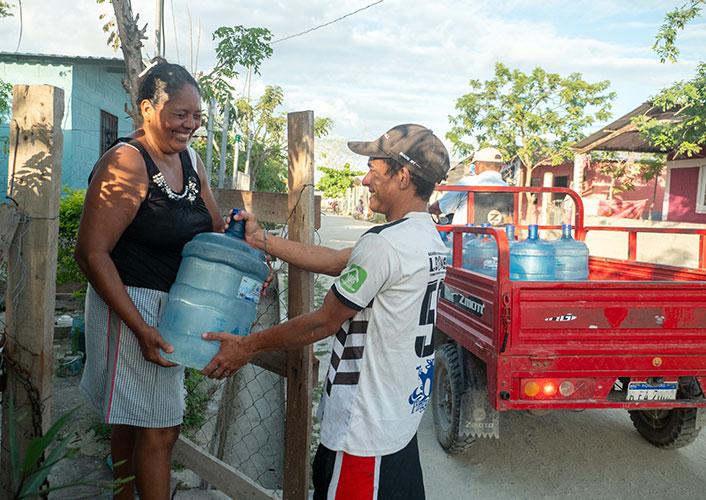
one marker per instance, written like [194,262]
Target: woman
[145,200]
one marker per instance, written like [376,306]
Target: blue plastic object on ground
[571,257]
[532,259]
[217,289]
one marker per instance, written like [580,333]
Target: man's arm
[312,258]
[236,351]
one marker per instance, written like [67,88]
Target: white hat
[488,155]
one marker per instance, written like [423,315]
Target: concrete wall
[671,249]
[88,88]
[94,89]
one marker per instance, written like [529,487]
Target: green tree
[5,9]
[651,167]
[533,117]
[685,133]
[335,181]
[675,21]
[237,46]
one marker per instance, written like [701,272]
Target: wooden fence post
[297,433]
[34,173]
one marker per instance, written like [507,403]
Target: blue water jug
[510,232]
[532,259]
[481,254]
[468,237]
[217,289]
[571,257]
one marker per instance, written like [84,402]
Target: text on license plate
[642,391]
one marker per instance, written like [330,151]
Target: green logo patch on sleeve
[352,280]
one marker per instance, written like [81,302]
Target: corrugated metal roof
[112,62]
[622,134]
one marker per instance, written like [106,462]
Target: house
[684,198]
[94,105]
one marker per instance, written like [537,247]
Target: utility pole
[209,138]
[159,28]
[234,184]
[224,145]
[250,135]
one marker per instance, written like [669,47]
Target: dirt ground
[567,455]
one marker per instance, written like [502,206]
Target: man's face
[380,185]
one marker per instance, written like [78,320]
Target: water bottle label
[490,263]
[250,290]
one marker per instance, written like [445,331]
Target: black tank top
[148,253]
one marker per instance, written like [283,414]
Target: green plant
[102,430]
[197,398]
[70,209]
[28,473]
[335,181]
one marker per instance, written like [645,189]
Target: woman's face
[173,121]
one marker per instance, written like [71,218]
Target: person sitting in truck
[382,309]
[487,164]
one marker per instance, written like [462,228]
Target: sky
[398,61]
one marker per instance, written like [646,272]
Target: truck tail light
[557,388]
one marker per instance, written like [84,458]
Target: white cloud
[398,61]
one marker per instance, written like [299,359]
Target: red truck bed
[632,336]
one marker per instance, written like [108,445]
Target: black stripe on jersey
[357,327]
[352,353]
[345,301]
[346,378]
[377,229]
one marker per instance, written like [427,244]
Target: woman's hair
[161,81]
[422,188]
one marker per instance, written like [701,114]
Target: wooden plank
[222,476]
[34,173]
[276,362]
[297,432]
[268,207]
[9,218]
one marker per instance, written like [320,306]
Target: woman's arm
[312,258]
[113,197]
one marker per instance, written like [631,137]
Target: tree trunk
[131,44]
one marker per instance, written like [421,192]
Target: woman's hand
[151,341]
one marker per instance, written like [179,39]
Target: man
[488,162]
[382,310]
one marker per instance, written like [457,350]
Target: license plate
[642,391]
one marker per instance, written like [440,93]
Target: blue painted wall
[88,88]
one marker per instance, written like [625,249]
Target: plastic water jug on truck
[630,335]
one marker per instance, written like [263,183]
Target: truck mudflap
[477,415]
[700,417]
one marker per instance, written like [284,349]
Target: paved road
[567,455]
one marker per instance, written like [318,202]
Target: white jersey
[379,379]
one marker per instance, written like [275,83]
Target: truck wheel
[667,429]
[446,400]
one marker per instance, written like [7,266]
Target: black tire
[666,428]
[446,393]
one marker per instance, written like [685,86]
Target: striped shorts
[118,383]
[340,476]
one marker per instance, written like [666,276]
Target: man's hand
[151,341]
[254,234]
[232,355]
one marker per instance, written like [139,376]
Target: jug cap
[236,228]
